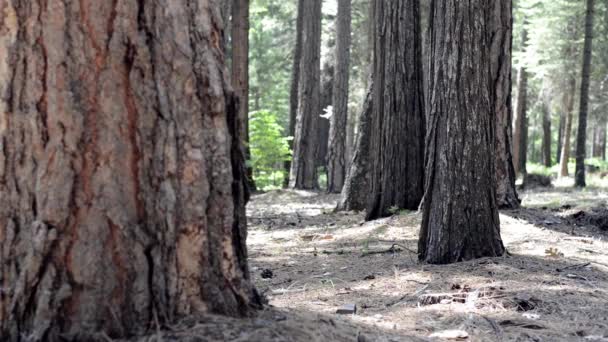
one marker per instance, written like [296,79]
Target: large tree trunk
[501,50]
[356,186]
[240,74]
[121,188]
[460,216]
[546,147]
[581,138]
[398,125]
[295,85]
[520,133]
[336,158]
[303,166]
[568,107]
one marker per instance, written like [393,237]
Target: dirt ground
[309,261]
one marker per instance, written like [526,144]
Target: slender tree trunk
[295,85]
[226,15]
[569,107]
[321,134]
[356,187]
[546,147]
[520,131]
[336,158]
[560,137]
[460,216]
[599,139]
[117,204]
[501,50]
[398,125]
[581,138]
[240,74]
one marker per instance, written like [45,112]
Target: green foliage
[269,149]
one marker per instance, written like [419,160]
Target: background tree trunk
[303,166]
[336,158]
[117,204]
[321,134]
[356,186]
[546,134]
[560,137]
[226,15]
[240,74]
[295,85]
[501,51]
[520,134]
[460,216]
[581,138]
[569,107]
[599,138]
[398,124]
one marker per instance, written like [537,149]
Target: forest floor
[309,261]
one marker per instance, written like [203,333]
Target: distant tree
[122,198]
[336,158]
[303,165]
[581,139]
[500,54]
[546,146]
[398,123]
[459,211]
[520,131]
[568,104]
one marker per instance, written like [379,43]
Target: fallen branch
[393,250]
[572,267]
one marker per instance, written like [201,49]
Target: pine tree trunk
[240,74]
[569,107]
[303,166]
[460,216]
[336,158]
[117,204]
[520,134]
[356,186]
[398,125]
[560,137]
[226,15]
[581,138]
[295,85]
[599,139]
[501,50]
[546,147]
[321,134]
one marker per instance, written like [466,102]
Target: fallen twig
[571,267]
[390,250]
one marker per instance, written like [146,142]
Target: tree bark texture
[460,216]
[356,186]
[336,158]
[121,178]
[568,107]
[581,137]
[519,130]
[240,75]
[501,52]
[295,82]
[398,124]
[303,165]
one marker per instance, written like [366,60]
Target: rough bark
[520,135]
[568,107]
[581,138]
[398,124]
[121,188]
[546,146]
[240,75]
[460,216]
[303,166]
[356,186]
[336,158]
[295,85]
[501,51]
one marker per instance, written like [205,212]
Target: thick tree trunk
[460,216]
[303,166]
[546,147]
[295,85]
[117,203]
[240,74]
[398,125]
[568,107]
[356,186]
[560,137]
[581,138]
[336,158]
[520,134]
[501,50]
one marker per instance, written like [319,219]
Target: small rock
[451,335]
[369,277]
[347,309]
[267,274]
